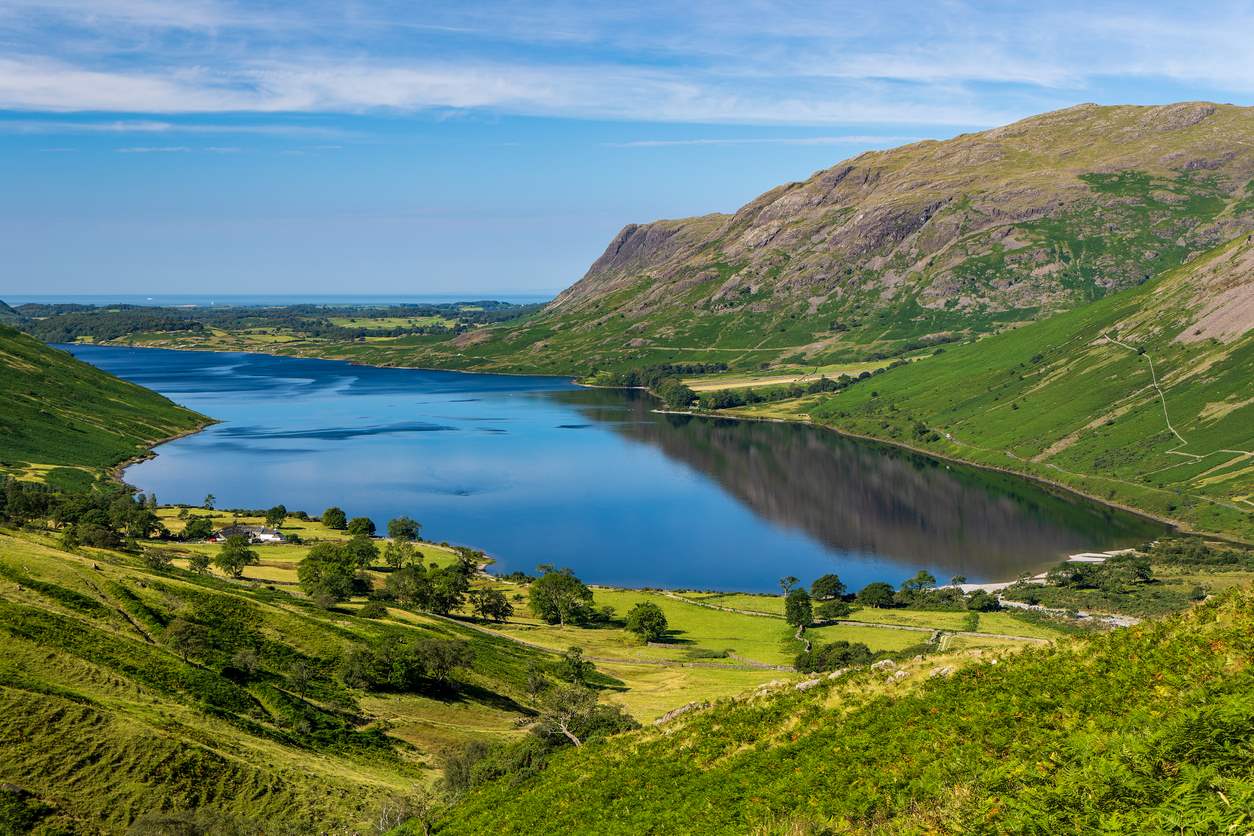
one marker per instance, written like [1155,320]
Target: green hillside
[65,421]
[127,690]
[1073,398]
[1147,730]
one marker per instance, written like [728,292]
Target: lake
[538,470]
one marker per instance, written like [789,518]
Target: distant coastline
[203,300]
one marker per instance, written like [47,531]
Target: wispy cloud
[149,126]
[961,62]
[155,149]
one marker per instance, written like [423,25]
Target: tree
[647,621]
[798,610]
[558,597]
[827,587]
[957,580]
[571,713]
[399,553]
[440,657]
[335,519]
[921,581]
[198,563]
[409,585]
[876,594]
[574,668]
[186,637]
[404,528]
[786,583]
[566,706]
[832,610]
[276,515]
[361,527]
[234,556]
[490,604]
[327,573]
[210,501]
[198,528]
[361,551]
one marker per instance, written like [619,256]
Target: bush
[830,657]
[334,518]
[373,609]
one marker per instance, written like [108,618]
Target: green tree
[798,610]
[921,581]
[327,573]
[234,556]
[361,527]
[827,587]
[276,515]
[361,551]
[876,594]
[404,528]
[198,528]
[647,621]
[574,667]
[786,583]
[198,563]
[210,501]
[335,519]
[186,637]
[490,604]
[558,597]
[832,610]
[398,553]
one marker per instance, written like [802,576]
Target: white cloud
[800,62]
[155,149]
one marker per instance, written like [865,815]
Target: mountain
[1142,398]
[65,421]
[1144,730]
[893,249]
[8,316]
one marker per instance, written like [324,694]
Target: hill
[1142,730]
[130,690]
[894,249]
[1141,398]
[66,421]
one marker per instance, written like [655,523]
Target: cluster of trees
[107,517]
[728,398]
[662,380]
[65,323]
[405,664]
[828,599]
[1118,574]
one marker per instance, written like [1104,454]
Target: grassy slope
[66,420]
[1057,400]
[103,720]
[1141,730]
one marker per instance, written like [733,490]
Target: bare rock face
[1012,223]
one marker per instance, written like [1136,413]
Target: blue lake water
[537,470]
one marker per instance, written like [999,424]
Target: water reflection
[866,498]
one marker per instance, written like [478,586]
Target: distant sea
[238,299]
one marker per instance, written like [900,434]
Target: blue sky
[404,147]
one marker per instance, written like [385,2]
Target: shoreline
[1176,526]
